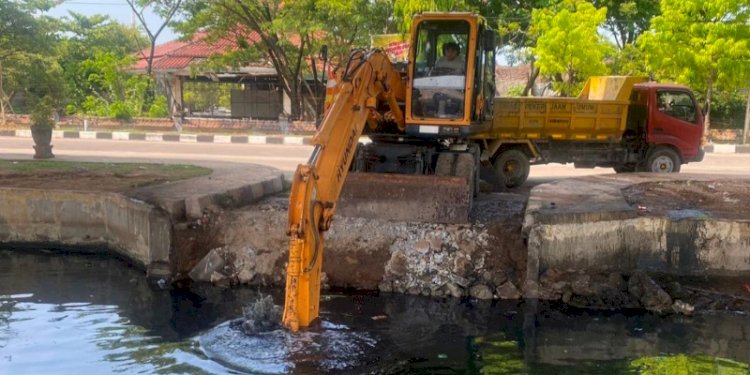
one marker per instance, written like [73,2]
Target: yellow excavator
[419,117]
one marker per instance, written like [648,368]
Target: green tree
[113,92]
[569,49]
[166,9]
[87,37]
[702,43]
[26,37]
[288,35]
[628,19]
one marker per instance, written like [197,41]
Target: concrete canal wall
[91,220]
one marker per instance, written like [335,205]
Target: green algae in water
[687,365]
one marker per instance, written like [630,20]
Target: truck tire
[625,168]
[512,168]
[663,160]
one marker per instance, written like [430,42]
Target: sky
[118,10]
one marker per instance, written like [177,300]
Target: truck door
[676,120]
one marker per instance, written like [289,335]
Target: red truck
[623,123]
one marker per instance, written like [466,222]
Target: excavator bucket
[400,197]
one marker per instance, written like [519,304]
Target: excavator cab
[451,75]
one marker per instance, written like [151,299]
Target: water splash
[257,343]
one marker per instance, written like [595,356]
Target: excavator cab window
[440,69]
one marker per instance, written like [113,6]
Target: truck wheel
[512,168]
[625,168]
[663,160]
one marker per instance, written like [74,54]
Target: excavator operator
[452,63]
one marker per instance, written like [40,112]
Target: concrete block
[256,139]
[103,135]
[240,139]
[72,135]
[275,140]
[55,133]
[171,137]
[188,138]
[742,149]
[724,149]
[87,135]
[25,133]
[222,139]
[137,137]
[294,140]
[154,137]
[193,208]
[203,138]
[211,263]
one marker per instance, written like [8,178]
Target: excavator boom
[369,79]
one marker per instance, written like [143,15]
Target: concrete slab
[230,185]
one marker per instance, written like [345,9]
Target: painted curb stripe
[717,148]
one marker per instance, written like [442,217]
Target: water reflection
[66,314]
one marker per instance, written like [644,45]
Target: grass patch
[87,176]
[170,171]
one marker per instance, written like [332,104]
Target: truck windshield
[440,69]
[676,104]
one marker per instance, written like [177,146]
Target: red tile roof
[178,55]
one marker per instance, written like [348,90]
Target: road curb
[294,140]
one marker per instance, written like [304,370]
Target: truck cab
[673,121]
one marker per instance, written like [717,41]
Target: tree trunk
[747,119]
[533,74]
[2,97]
[707,121]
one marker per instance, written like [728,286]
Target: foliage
[159,108]
[41,116]
[702,43]
[406,9]
[86,38]
[728,108]
[569,49]
[26,37]
[288,34]
[202,96]
[114,93]
[628,61]
[515,91]
[627,19]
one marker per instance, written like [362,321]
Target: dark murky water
[63,314]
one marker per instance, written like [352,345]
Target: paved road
[286,157]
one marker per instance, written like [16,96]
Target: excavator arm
[369,79]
